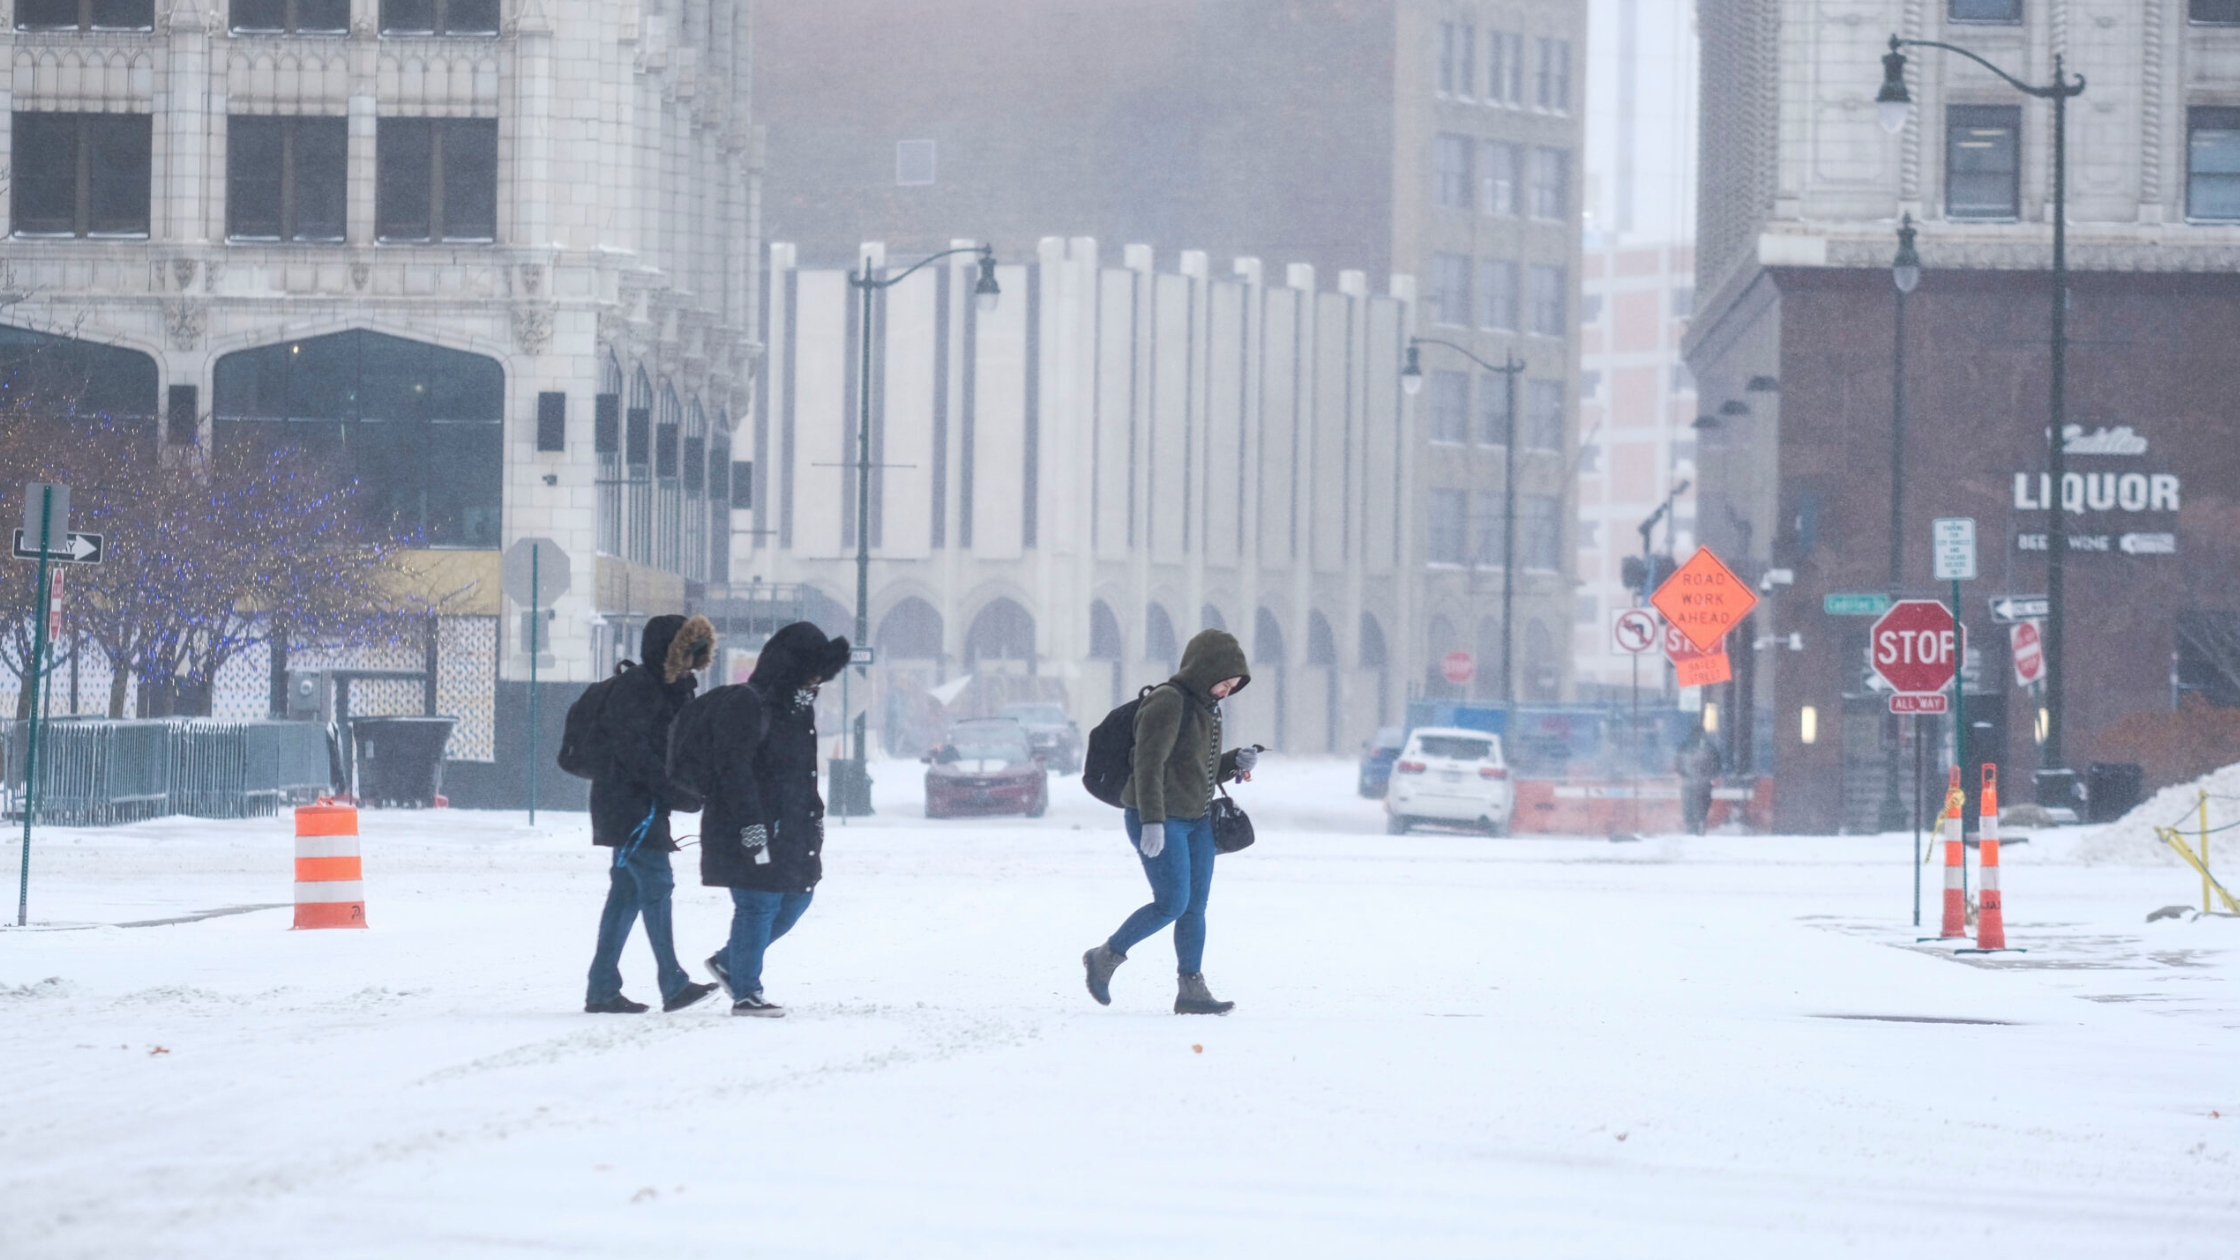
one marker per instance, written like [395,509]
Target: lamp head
[1411,376]
[1905,269]
[985,293]
[1893,103]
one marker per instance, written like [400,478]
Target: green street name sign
[1869,605]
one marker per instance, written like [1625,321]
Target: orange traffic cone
[330,892]
[1955,865]
[1991,918]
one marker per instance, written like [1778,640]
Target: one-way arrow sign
[75,549]
[2008,609]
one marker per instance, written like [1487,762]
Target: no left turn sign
[1633,631]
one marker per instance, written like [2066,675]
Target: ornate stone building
[493,257]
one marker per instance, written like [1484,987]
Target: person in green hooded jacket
[1178,763]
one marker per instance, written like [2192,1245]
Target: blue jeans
[1181,879]
[758,918]
[637,885]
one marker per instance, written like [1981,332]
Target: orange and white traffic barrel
[330,885]
[1955,864]
[1991,916]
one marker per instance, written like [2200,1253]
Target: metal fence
[98,772]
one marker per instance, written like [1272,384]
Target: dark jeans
[637,885]
[758,918]
[1181,879]
[1695,804]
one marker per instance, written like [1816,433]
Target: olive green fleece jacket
[1178,734]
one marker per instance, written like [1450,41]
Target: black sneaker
[753,1004]
[720,967]
[686,996]
[616,1005]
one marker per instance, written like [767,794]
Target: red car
[986,767]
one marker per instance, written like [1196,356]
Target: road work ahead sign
[1704,599]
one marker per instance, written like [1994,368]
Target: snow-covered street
[1445,1045]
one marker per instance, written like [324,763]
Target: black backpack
[692,740]
[1110,759]
[583,742]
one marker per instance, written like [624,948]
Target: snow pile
[2131,840]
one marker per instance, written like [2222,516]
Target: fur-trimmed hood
[798,655]
[680,644]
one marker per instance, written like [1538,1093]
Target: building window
[1543,415]
[1684,301]
[913,163]
[85,15]
[293,17]
[1497,278]
[1505,68]
[1551,184]
[418,428]
[439,17]
[1501,182]
[1683,380]
[1590,309]
[1450,289]
[1453,174]
[1552,78]
[1493,410]
[437,179]
[81,174]
[2213,163]
[1540,532]
[1449,397]
[1590,459]
[2215,12]
[1981,173]
[1551,299]
[1488,532]
[1590,385]
[1466,61]
[285,178]
[1986,10]
[1450,520]
[1447,56]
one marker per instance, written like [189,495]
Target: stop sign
[1913,646]
[1459,667]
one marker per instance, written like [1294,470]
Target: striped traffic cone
[1991,918]
[330,892]
[1955,866]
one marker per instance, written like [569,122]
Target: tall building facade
[1435,139]
[1818,470]
[1637,406]
[491,259]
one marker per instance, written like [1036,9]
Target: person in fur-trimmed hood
[752,749]
[630,804]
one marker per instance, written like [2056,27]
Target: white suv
[1453,777]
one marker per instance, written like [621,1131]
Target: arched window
[911,631]
[607,445]
[1104,633]
[419,428]
[1268,659]
[63,378]
[668,460]
[1159,645]
[637,458]
[1212,619]
[1003,631]
[719,499]
[695,477]
[1374,657]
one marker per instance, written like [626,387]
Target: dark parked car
[986,767]
[1377,757]
[1050,732]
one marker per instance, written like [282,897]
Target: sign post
[1954,546]
[532,571]
[46,517]
[1916,647]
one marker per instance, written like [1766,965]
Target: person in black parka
[752,749]
[631,798]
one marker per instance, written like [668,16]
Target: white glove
[1152,839]
[757,840]
[1247,758]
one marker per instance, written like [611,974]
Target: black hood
[798,656]
[660,632]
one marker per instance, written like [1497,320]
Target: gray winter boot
[1100,963]
[1192,998]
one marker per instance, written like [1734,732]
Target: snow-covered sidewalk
[1445,1046]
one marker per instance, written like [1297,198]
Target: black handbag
[1232,827]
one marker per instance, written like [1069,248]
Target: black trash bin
[2113,789]
[2059,789]
[400,759]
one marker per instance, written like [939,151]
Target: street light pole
[1894,103]
[984,294]
[1411,380]
[1905,274]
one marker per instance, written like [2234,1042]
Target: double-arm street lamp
[984,296]
[1411,380]
[1894,104]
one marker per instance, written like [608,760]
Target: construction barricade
[330,887]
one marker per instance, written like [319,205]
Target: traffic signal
[1646,575]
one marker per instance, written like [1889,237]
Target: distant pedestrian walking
[626,730]
[1699,764]
[752,750]
[1177,763]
